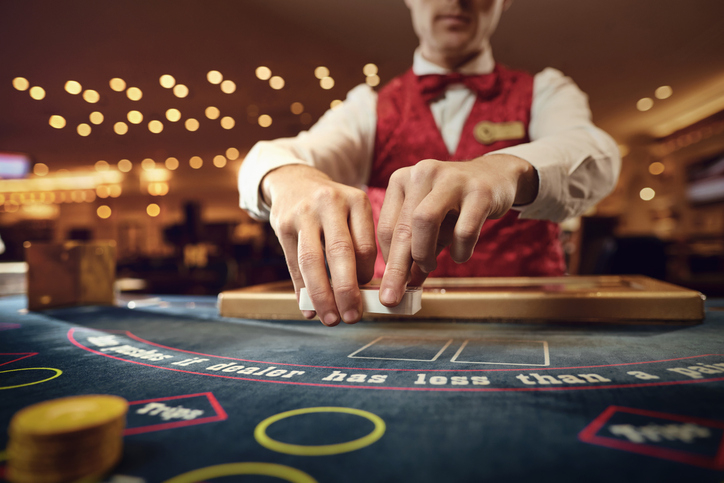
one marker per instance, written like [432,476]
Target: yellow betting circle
[319,450]
[230,469]
[58,372]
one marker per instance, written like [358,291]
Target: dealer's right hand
[314,216]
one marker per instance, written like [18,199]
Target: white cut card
[411,302]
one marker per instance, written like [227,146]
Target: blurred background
[128,120]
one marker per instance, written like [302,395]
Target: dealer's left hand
[436,204]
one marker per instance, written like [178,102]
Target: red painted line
[28,354]
[139,339]
[169,398]
[173,425]
[588,435]
[220,414]
[663,453]
[520,389]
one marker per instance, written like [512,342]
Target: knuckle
[403,232]
[366,250]
[307,259]
[467,234]
[324,195]
[339,248]
[425,220]
[396,272]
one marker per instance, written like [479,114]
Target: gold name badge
[487,132]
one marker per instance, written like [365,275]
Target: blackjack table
[215,398]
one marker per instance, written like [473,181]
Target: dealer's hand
[313,216]
[435,204]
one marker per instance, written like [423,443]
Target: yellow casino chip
[67,415]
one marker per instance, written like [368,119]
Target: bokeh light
[134,93]
[124,166]
[647,194]
[135,117]
[117,84]
[171,163]
[212,112]
[104,211]
[155,126]
[84,129]
[263,72]
[232,153]
[228,87]
[335,104]
[645,104]
[276,82]
[656,168]
[102,191]
[153,210]
[196,162]
[173,115]
[102,165]
[214,76]
[96,117]
[73,87]
[21,83]
[265,120]
[219,161]
[296,108]
[663,92]
[56,121]
[37,93]
[369,69]
[40,169]
[115,190]
[326,83]
[167,81]
[373,80]
[191,124]
[227,122]
[180,90]
[91,96]
[306,118]
[148,164]
[321,72]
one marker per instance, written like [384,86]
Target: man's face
[454,28]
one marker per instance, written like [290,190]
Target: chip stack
[65,439]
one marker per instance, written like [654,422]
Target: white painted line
[546,353]
[439,353]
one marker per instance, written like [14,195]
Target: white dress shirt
[577,163]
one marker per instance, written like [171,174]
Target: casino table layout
[223,399]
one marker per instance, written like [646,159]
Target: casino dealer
[66,439]
[463,167]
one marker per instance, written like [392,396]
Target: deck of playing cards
[410,304]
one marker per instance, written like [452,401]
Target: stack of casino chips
[66,439]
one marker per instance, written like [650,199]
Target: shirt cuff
[551,182]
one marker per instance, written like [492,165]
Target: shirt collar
[482,64]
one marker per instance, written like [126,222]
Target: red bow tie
[433,86]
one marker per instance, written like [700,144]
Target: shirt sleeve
[340,144]
[578,164]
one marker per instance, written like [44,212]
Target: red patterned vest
[407,133]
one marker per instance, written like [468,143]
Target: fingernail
[330,319]
[308,314]
[388,296]
[350,316]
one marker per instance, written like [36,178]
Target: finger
[399,260]
[390,212]
[288,241]
[473,212]
[362,230]
[310,257]
[427,232]
[342,267]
